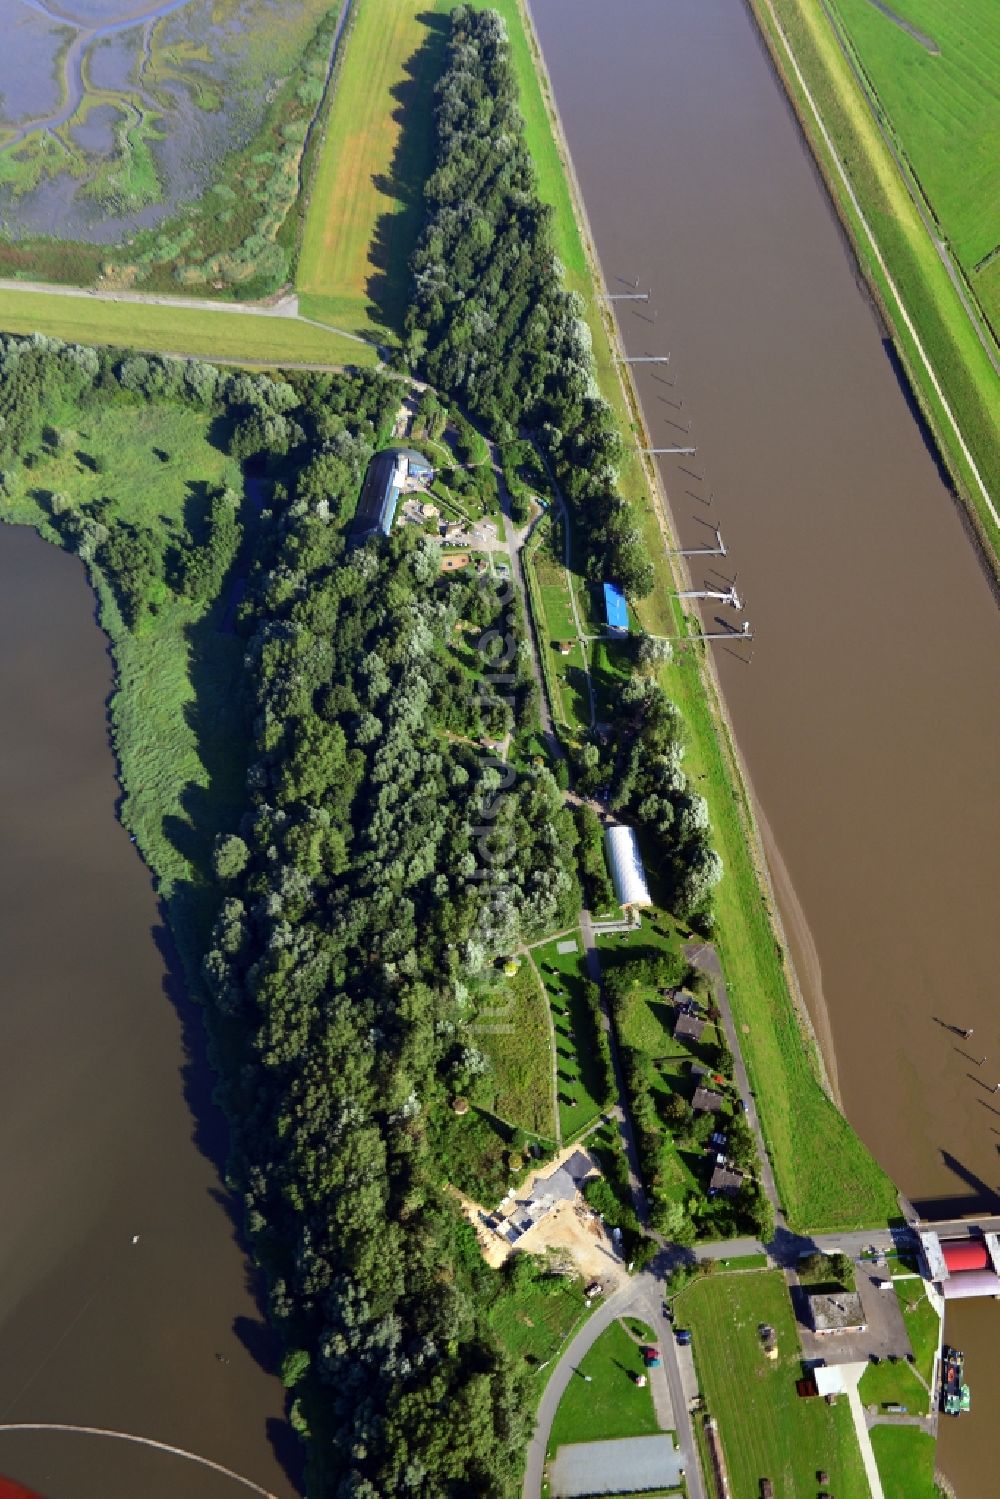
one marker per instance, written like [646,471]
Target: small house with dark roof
[726,1180]
[706,1102]
[688,1027]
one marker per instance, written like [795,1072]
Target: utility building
[615,609]
[390,473]
[625,863]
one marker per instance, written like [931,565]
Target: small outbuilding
[707,1102]
[615,609]
[625,863]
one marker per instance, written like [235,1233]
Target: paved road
[641,1297]
[703,955]
[864,1441]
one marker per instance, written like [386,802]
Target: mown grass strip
[158,328]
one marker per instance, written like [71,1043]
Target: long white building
[625,863]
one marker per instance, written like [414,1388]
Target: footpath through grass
[767,1430]
[154,328]
[366,198]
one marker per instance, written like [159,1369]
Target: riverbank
[950,373]
[116,1218]
[826,1176]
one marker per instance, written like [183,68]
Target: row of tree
[491,322]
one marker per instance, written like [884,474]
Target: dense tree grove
[491,322]
[379,861]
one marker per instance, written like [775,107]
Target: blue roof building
[615,608]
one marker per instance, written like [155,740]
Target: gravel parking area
[627,1466]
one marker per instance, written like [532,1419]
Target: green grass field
[944,109]
[564,975]
[611,1404]
[153,328]
[518,1085]
[923,1325]
[962,366]
[890,1384]
[550,589]
[905,1458]
[767,1430]
[365,206]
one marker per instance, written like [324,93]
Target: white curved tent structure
[625,863]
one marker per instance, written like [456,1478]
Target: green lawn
[889,1384]
[944,109]
[611,1404]
[366,197]
[515,1038]
[922,1323]
[610,670]
[905,1458]
[767,1430]
[564,976]
[209,333]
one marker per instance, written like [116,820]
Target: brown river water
[106,1122]
[869,717]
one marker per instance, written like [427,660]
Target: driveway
[702,955]
[627,1466]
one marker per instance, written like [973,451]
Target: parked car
[683,1336]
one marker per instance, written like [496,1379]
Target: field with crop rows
[366,198]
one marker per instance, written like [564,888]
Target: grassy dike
[161,328]
[948,369]
[826,1176]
